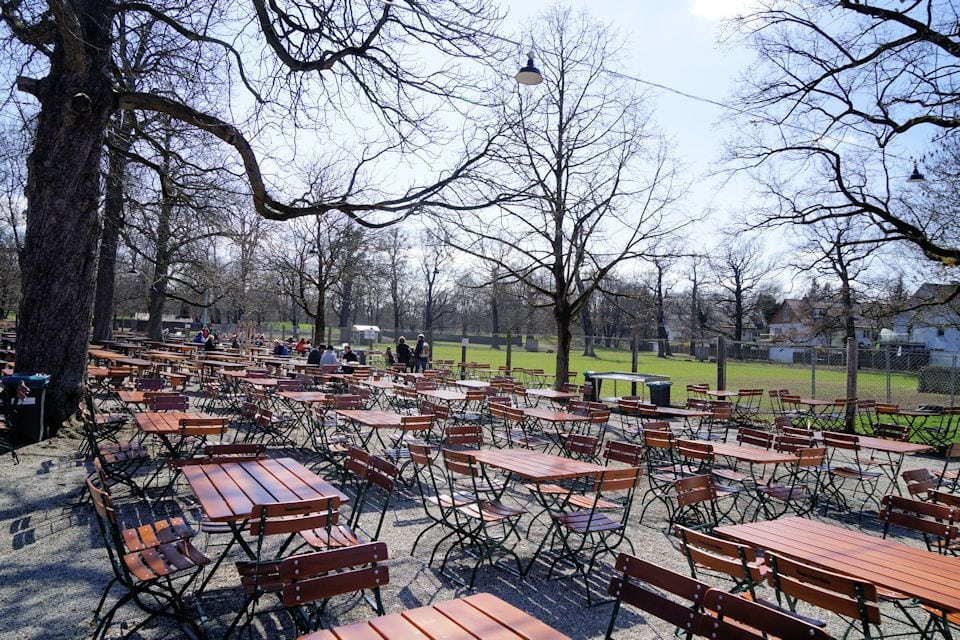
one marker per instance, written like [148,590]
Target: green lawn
[830,381]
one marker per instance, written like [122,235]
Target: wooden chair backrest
[631,585]
[438,411]
[289,385]
[811,456]
[461,463]
[465,435]
[513,414]
[694,450]
[695,490]
[945,497]
[235,452]
[729,558]
[322,574]
[625,452]
[841,594]
[203,426]
[891,431]
[658,439]
[580,444]
[475,395]
[615,479]
[148,384]
[845,441]
[792,444]
[416,423]
[919,481]
[289,517]
[657,425]
[755,438]
[740,619]
[929,518]
[347,402]
[421,454]
[885,408]
[168,403]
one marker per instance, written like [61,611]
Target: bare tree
[64,52]
[739,269]
[590,180]
[838,85]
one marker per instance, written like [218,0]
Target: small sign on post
[370,334]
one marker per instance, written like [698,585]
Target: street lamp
[916,176]
[529,74]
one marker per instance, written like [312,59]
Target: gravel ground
[55,566]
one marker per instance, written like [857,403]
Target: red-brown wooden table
[536,466]
[927,576]
[481,615]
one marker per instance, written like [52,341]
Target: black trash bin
[27,423]
[591,387]
[660,392]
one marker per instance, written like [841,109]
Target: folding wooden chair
[853,600]
[594,530]
[146,560]
[798,490]
[848,468]
[697,502]
[484,526]
[302,581]
[736,561]
[731,617]
[437,502]
[664,594]
[937,523]
[376,479]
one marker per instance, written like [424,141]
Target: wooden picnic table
[481,615]
[444,395]
[722,394]
[381,384]
[134,362]
[163,423]
[472,384]
[918,573]
[549,415]
[677,412]
[228,491]
[536,466]
[751,455]
[551,394]
[307,397]
[373,418]
[261,382]
[103,354]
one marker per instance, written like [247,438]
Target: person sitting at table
[301,347]
[210,344]
[329,356]
[348,356]
[235,342]
[280,349]
[389,358]
[315,355]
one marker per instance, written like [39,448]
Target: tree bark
[63,195]
[564,338]
[319,318]
[346,309]
[109,242]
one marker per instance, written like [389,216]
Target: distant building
[932,318]
[799,324]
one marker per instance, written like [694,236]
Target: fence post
[634,360]
[509,352]
[853,361]
[721,363]
[953,382]
[463,354]
[886,358]
[813,372]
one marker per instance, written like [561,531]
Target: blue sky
[674,44]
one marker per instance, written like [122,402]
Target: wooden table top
[229,490]
[472,384]
[443,394]
[98,372]
[373,418]
[678,412]
[722,393]
[224,364]
[164,355]
[552,416]
[536,465]
[481,615]
[925,575]
[104,354]
[164,422]
[753,455]
[815,402]
[261,382]
[132,397]
[305,396]
[134,362]
[378,384]
[892,446]
[551,394]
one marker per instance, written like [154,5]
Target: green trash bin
[659,392]
[27,424]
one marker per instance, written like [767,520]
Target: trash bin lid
[32,380]
[659,383]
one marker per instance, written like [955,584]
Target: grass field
[830,381]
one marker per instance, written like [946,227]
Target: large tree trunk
[319,319]
[563,318]
[346,309]
[63,193]
[113,215]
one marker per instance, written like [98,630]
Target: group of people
[416,359]
[327,355]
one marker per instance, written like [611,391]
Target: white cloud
[718,9]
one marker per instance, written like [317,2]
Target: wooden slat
[475,621]
[523,624]
[925,575]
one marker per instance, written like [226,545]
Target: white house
[932,318]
